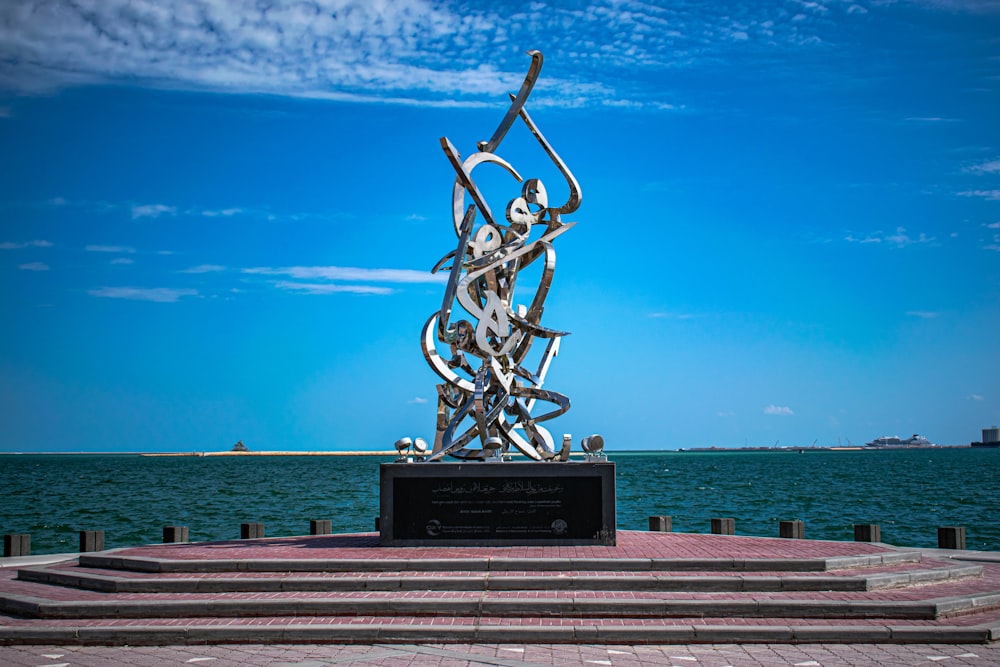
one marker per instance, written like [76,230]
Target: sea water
[908,492]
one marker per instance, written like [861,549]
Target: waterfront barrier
[175,534]
[793,530]
[724,526]
[16,544]
[251,531]
[867,532]
[91,540]
[949,537]
[320,526]
[661,524]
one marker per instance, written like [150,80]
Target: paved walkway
[508,655]
[632,545]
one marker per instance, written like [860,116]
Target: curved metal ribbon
[487,393]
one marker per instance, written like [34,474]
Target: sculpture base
[497,504]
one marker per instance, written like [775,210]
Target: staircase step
[653,587]
[479,605]
[107,581]
[712,631]
[495,564]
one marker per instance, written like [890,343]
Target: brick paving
[509,655]
[249,623]
[631,544]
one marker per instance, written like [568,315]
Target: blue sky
[217,219]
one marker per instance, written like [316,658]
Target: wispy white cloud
[110,248]
[417,400]
[993,225]
[33,266]
[899,238]
[992,195]
[964,6]
[779,410]
[406,51]
[975,397]
[671,316]
[12,245]
[152,211]
[991,167]
[331,288]
[923,314]
[931,119]
[223,213]
[124,261]
[204,268]
[156,294]
[349,273]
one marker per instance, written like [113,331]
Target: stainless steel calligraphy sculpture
[488,396]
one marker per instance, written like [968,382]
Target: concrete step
[466,630]
[107,581]
[112,561]
[499,604]
[650,588]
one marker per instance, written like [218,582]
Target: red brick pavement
[631,544]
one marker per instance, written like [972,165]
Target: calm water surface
[910,493]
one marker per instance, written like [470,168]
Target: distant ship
[895,441]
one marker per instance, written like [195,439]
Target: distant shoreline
[206,454]
[265,453]
[682,450]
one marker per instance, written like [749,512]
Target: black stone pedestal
[497,504]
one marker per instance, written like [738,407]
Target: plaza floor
[508,655]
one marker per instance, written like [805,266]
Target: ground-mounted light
[403,446]
[593,446]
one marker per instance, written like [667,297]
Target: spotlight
[492,448]
[593,445]
[403,446]
[419,446]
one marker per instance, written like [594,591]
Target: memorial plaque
[479,504]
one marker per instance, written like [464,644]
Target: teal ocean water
[908,492]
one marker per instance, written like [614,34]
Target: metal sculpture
[488,395]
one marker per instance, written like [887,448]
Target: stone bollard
[793,530]
[91,540]
[320,526]
[867,532]
[723,526]
[16,544]
[661,524]
[250,531]
[951,537]
[175,534]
